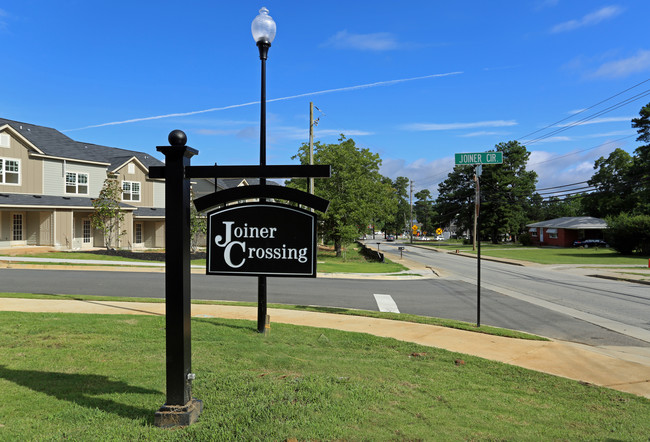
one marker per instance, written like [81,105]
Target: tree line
[360,196]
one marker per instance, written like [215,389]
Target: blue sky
[414,81]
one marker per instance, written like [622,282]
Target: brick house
[562,232]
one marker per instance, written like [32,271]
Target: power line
[590,117]
[565,185]
[584,110]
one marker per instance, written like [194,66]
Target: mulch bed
[149,256]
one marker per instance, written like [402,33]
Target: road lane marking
[386,303]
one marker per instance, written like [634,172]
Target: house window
[138,233]
[4,140]
[552,233]
[9,171]
[76,183]
[131,168]
[130,191]
[18,227]
[533,232]
[86,231]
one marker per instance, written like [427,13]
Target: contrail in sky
[214,109]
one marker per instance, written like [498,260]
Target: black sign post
[180,408]
[257,239]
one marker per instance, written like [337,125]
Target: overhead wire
[584,110]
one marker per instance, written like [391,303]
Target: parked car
[390,238]
[586,243]
[423,238]
[439,238]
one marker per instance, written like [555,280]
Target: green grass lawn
[543,255]
[99,377]
[351,261]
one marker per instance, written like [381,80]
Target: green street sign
[479,158]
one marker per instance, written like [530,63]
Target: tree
[356,191]
[401,218]
[424,210]
[640,171]
[505,193]
[108,216]
[455,202]
[506,189]
[198,225]
[614,189]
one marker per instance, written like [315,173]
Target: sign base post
[178,415]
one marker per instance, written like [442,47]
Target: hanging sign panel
[261,239]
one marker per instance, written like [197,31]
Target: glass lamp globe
[263,27]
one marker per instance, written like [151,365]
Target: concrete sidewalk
[620,368]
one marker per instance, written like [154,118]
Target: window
[4,140]
[86,231]
[18,227]
[76,183]
[130,191]
[552,233]
[131,168]
[9,171]
[138,233]
[533,232]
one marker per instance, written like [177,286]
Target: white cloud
[590,19]
[597,121]
[576,166]
[627,66]
[3,22]
[454,126]
[378,41]
[481,134]
[425,174]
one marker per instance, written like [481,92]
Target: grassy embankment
[93,377]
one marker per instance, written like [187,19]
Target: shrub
[525,239]
[628,233]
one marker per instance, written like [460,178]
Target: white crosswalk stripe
[386,303]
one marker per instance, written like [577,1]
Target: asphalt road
[450,297]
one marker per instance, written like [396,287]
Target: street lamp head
[263,28]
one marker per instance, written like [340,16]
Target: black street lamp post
[263,29]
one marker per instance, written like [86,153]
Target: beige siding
[158,193]
[54,177]
[31,169]
[63,230]
[146,186]
[45,228]
[126,241]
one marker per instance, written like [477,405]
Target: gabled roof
[53,143]
[572,222]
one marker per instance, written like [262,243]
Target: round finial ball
[177,138]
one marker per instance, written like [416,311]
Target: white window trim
[139,194]
[3,172]
[76,183]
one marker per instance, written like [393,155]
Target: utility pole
[310,183]
[411,207]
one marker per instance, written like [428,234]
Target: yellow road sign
[415,228]
[438,231]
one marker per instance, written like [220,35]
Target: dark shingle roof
[54,143]
[149,212]
[27,200]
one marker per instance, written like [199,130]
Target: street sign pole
[477,235]
[478,159]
